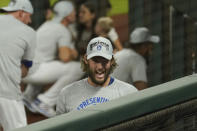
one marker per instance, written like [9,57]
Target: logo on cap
[99,47]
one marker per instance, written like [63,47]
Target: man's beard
[92,74]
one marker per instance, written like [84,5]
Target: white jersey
[17,42]
[81,94]
[131,66]
[50,37]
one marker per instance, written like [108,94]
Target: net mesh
[181,117]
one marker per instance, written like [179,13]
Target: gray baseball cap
[100,46]
[16,5]
[62,9]
[142,34]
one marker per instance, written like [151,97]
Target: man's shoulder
[28,33]
[74,85]
[26,29]
[16,24]
[122,82]
[3,17]
[30,30]
[123,85]
[54,27]
[132,55]
[126,53]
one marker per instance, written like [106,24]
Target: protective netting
[181,117]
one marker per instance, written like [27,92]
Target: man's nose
[100,65]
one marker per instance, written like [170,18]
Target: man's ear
[85,59]
[20,14]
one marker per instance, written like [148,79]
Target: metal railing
[125,108]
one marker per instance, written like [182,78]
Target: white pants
[61,74]
[12,114]
[49,72]
[50,96]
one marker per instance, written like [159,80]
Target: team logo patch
[99,47]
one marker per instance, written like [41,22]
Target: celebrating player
[99,87]
[16,52]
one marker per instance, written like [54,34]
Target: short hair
[106,23]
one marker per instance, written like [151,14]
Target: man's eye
[100,60]
[95,60]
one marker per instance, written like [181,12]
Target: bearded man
[99,86]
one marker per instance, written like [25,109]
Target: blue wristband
[27,63]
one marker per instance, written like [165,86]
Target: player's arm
[113,35]
[118,45]
[139,74]
[65,51]
[29,53]
[25,65]
[140,85]
[67,54]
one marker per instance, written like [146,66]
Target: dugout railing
[171,106]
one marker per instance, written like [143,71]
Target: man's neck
[141,51]
[16,15]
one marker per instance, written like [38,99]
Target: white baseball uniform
[81,94]
[131,66]
[17,43]
[51,36]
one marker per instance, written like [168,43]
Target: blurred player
[16,52]
[55,55]
[133,60]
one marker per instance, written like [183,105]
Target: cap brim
[106,56]
[10,9]
[5,9]
[154,39]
